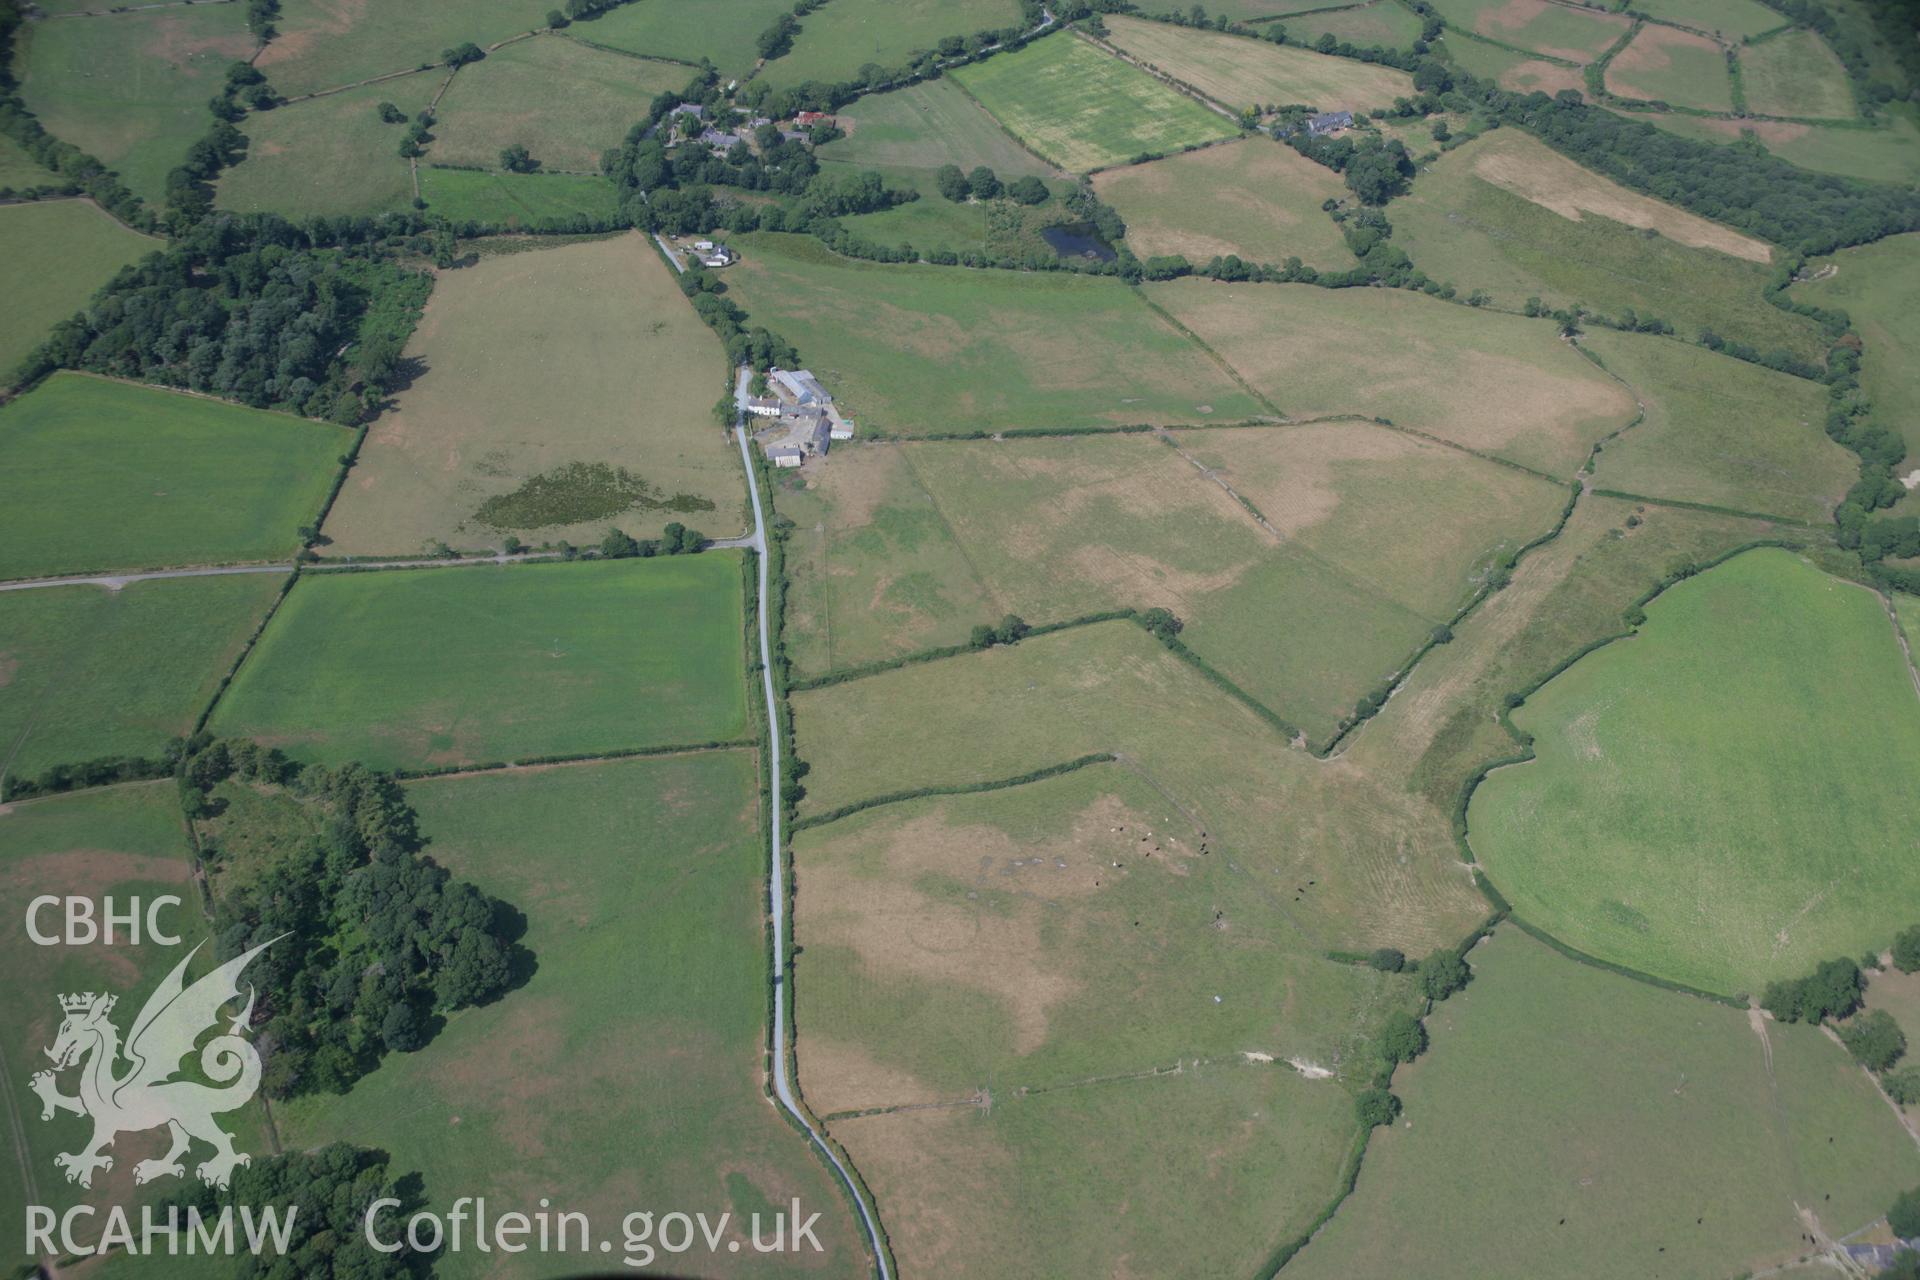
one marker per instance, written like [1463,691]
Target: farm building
[1332,122]
[798,386]
[719,140]
[784,455]
[763,408]
[693,109]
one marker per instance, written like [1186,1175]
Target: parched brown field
[1666,64]
[1240,71]
[1500,384]
[1554,182]
[548,364]
[1250,198]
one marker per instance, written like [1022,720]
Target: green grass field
[1500,384]
[1385,23]
[913,349]
[93,673]
[1083,109]
[497,663]
[1721,431]
[324,44]
[1666,65]
[1560,31]
[515,199]
[924,126]
[330,155]
[124,841]
[1520,72]
[1730,19]
[1506,215]
[19,170]
[509,99]
[1250,198]
[1697,1145]
[108,475]
[132,89]
[931,222]
[1795,74]
[1717,801]
[687,30]
[1383,867]
[1241,72]
[566,389]
[59,252]
[637,1044]
[1875,285]
[837,40]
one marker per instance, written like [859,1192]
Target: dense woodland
[381,941]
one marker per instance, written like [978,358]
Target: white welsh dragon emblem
[146,1096]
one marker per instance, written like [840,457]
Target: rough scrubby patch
[580,492]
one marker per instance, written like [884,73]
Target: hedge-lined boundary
[1707,507]
[1349,1178]
[959,789]
[577,757]
[936,654]
[233,669]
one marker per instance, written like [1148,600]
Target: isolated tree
[390,114]
[981,636]
[1387,960]
[1402,1039]
[1874,1039]
[556,19]
[618,545]
[1012,629]
[514,159]
[1162,624]
[983,183]
[1028,190]
[1376,1107]
[1442,974]
[1906,950]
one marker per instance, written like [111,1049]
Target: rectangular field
[1250,198]
[924,126]
[324,44]
[1083,109]
[917,349]
[1666,65]
[1700,1181]
[1520,72]
[92,672]
[1243,72]
[1795,74]
[837,40]
[1721,431]
[1557,30]
[1722,791]
[328,156]
[58,252]
[722,31]
[636,1045]
[1385,24]
[509,100]
[132,89]
[516,199]
[1499,384]
[435,667]
[565,390]
[188,480]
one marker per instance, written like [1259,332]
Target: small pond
[1078,240]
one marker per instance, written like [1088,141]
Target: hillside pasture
[1382,866]
[1250,198]
[1082,109]
[722,31]
[1519,72]
[1669,1177]
[329,156]
[1557,30]
[18,170]
[1386,24]
[924,126]
[1499,384]
[498,662]
[516,199]
[1721,431]
[326,44]
[58,253]
[837,40]
[1795,74]
[125,841]
[1887,150]
[131,90]
[1716,801]
[188,480]
[509,100]
[1875,285]
[1505,215]
[1731,20]
[911,349]
[1663,64]
[622,1092]
[1241,72]
[564,390]
[92,672]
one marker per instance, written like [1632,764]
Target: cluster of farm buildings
[722,140]
[802,420]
